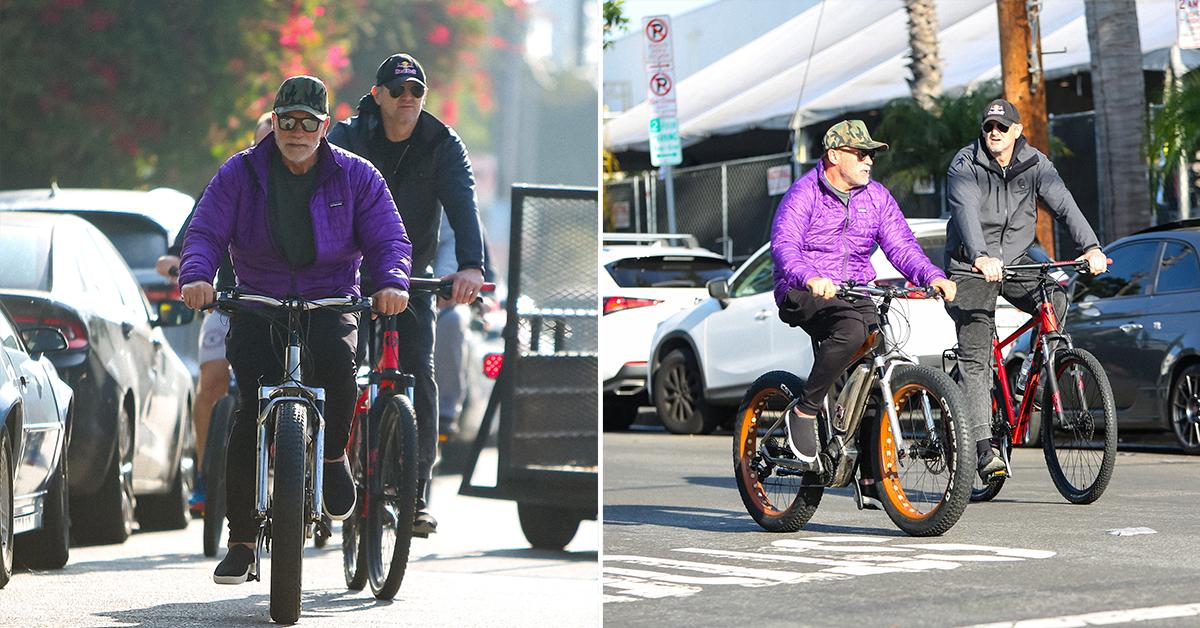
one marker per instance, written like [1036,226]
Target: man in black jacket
[994,185]
[427,169]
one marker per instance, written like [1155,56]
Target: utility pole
[1025,85]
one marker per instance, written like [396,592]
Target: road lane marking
[1131,531]
[1103,618]
[629,578]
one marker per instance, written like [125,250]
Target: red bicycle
[377,536]
[1079,420]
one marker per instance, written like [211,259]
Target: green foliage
[144,93]
[614,19]
[1175,130]
[923,142]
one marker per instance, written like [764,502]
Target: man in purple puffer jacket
[824,231]
[297,216]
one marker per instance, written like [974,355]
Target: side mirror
[718,289]
[174,314]
[39,340]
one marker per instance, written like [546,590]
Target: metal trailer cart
[546,395]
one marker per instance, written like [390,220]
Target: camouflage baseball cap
[851,133]
[302,93]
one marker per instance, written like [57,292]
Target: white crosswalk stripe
[629,578]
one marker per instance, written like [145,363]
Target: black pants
[255,350]
[416,328]
[974,314]
[838,328]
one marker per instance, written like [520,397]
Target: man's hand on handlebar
[389,301]
[167,266]
[991,267]
[822,287]
[946,287]
[1096,260]
[198,294]
[467,284]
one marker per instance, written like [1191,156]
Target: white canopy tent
[859,61]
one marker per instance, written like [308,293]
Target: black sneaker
[802,436]
[337,490]
[992,468]
[236,567]
[423,523]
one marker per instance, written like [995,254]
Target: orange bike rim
[889,464]
[747,445]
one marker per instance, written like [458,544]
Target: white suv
[703,359]
[646,278]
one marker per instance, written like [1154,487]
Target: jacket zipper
[845,247]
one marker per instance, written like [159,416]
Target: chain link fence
[727,206]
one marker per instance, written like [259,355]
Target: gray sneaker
[802,436]
[992,468]
[236,567]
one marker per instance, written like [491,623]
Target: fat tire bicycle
[383,452]
[1076,403]
[290,452]
[906,455]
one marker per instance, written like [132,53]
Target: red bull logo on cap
[996,110]
[404,67]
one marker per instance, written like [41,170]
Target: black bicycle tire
[288,512]
[354,556]
[398,485]
[802,507]
[1108,460]
[214,472]
[957,494]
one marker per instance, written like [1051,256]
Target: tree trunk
[1119,93]
[926,67]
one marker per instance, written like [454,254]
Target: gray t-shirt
[288,212]
[844,196]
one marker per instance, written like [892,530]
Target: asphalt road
[680,549]
[477,571]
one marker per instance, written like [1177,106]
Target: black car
[1142,321]
[131,436]
[141,224]
[35,406]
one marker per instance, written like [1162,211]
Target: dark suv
[140,224]
[1142,321]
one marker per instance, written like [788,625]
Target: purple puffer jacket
[353,217]
[815,235]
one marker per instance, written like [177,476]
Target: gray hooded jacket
[993,210]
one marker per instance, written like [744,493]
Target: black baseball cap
[302,93]
[1001,111]
[399,66]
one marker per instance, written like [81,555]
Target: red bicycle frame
[1042,323]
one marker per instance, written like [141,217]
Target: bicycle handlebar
[228,301]
[851,289]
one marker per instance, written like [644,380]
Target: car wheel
[619,413]
[107,516]
[170,510]
[50,547]
[1184,409]
[679,396]
[6,508]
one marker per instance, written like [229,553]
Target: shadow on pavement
[253,610]
[523,553]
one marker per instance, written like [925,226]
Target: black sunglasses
[287,123]
[861,153]
[397,89]
[987,128]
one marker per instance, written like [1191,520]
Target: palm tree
[1175,131]
[926,67]
[923,141]
[1119,94]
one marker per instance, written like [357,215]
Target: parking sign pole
[665,149]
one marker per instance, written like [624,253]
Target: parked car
[1142,321]
[702,359]
[647,278]
[35,406]
[141,225]
[131,435]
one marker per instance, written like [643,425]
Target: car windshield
[24,257]
[139,242]
[667,272]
